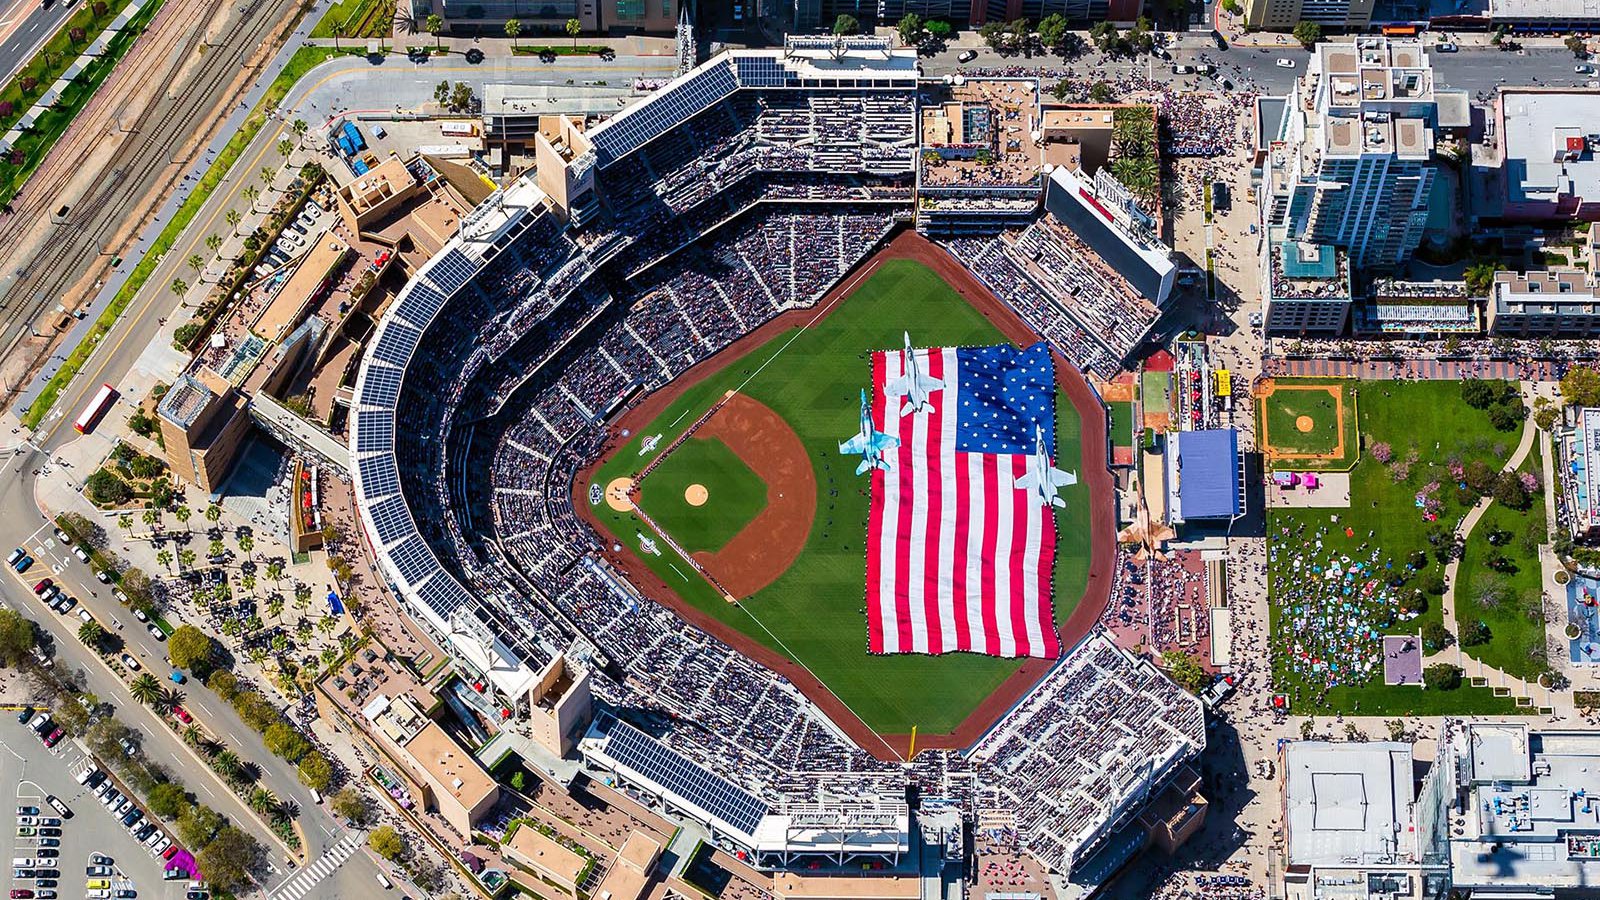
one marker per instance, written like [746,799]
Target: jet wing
[1063,479]
[1027,482]
[929,384]
[857,444]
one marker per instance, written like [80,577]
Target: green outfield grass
[814,612]
[735,494]
[1121,425]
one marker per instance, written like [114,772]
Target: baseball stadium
[602,429]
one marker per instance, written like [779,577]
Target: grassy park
[1499,584]
[1405,504]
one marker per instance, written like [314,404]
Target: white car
[81,554]
[130,662]
[1583,69]
[1445,47]
[1283,63]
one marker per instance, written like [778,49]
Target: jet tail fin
[865,466]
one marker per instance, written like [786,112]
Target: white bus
[458,129]
[97,407]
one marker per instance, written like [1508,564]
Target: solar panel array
[421,303]
[391,518]
[451,271]
[413,559]
[382,386]
[763,72]
[379,475]
[398,343]
[374,431]
[663,110]
[689,780]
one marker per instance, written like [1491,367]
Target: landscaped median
[303,61]
[57,59]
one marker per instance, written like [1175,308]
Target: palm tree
[299,127]
[227,764]
[145,689]
[196,262]
[573,29]
[285,147]
[280,642]
[150,516]
[233,218]
[435,26]
[91,633]
[251,192]
[213,512]
[213,242]
[125,522]
[263,801]
[170,698]
[179,287]
[246,544]
[327,624]
[183,514]
[215,548]
[164,558]
[513,29]
[192,735]
[302,595]
[275,605]
[266,175]
[247,583]
[185,558]
[275,571]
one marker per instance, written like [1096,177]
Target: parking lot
[30,773]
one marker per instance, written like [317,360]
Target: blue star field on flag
[1005,393]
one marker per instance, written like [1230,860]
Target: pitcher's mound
[695,495]
[1303,424]
[617,494]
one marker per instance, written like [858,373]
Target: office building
[1552,304]
[1305,286]
[1545,16]
[1549,165]
[1342,14]
[1351,162]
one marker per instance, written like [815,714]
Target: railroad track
[132,185]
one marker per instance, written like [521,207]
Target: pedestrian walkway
[301,883]
[1427,369]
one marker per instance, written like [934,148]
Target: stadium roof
[641,759]
[1146,264]
[1348,803]
[1203,474]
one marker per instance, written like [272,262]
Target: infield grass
[1331,443]
[735,495]
[815,613]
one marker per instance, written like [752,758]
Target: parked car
[1445,47]
[102,576]
[182,714]
[967,56]
[141,615]
[16,555]
[23,564]
[156,632]
[128,661]
[54,738]
[177,677]
[55,803]
[1283,63]
[81,554]
[41,587]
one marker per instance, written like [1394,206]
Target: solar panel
[414,560]
[398,343]
[451,271]
[374,430]
[421,303]
[381,387]
[664,110]
[391,519]
[379,477]
[444,596]
[693,783]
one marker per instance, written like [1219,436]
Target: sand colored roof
[452,767]
[531,848]
[827,887]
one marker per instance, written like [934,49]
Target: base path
[765,548]
[1093,464]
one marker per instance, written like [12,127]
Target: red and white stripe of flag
[958,558]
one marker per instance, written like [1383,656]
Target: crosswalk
[298,885]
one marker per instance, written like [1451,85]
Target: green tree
[179,287]
[513,30]
[910,29]
[233,218]
[1581,386]
[435,25]
[1576,45]
[185,558]
[213,242]
[164,558]
[91,633]
[105,488]
[250,193]
[196,262]
[1441,677]
[169,801]
[1435,636]
[1102,92]
[573,28]
[1053,30]
[199,824]
[1185,670]
[266,175]
[939,29]
[315,771]
[1105,37]
[213,512]
[190,648]
[246,545]
[387,843]
[285,147]
[145,689]
[352,805]
[1309,34]
[846,24]
[72,717]
[1479,277]
[16,637]
[264,801]
[230,858]
[281,738]
[1474,632]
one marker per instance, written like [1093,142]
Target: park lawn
[1428,418]
[1121,423]
[735,494]
[1517,628]
[356,19]
[814,613]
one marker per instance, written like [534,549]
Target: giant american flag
[958,557]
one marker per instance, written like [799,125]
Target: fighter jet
[1042,478]
[869,442]
[913,385]
[650,443]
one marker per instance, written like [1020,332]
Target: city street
[24,27]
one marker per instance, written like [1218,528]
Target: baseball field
[776,517]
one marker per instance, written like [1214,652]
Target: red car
[170,852]
[21,893]
[182,714]
[42,586]
[54,738]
